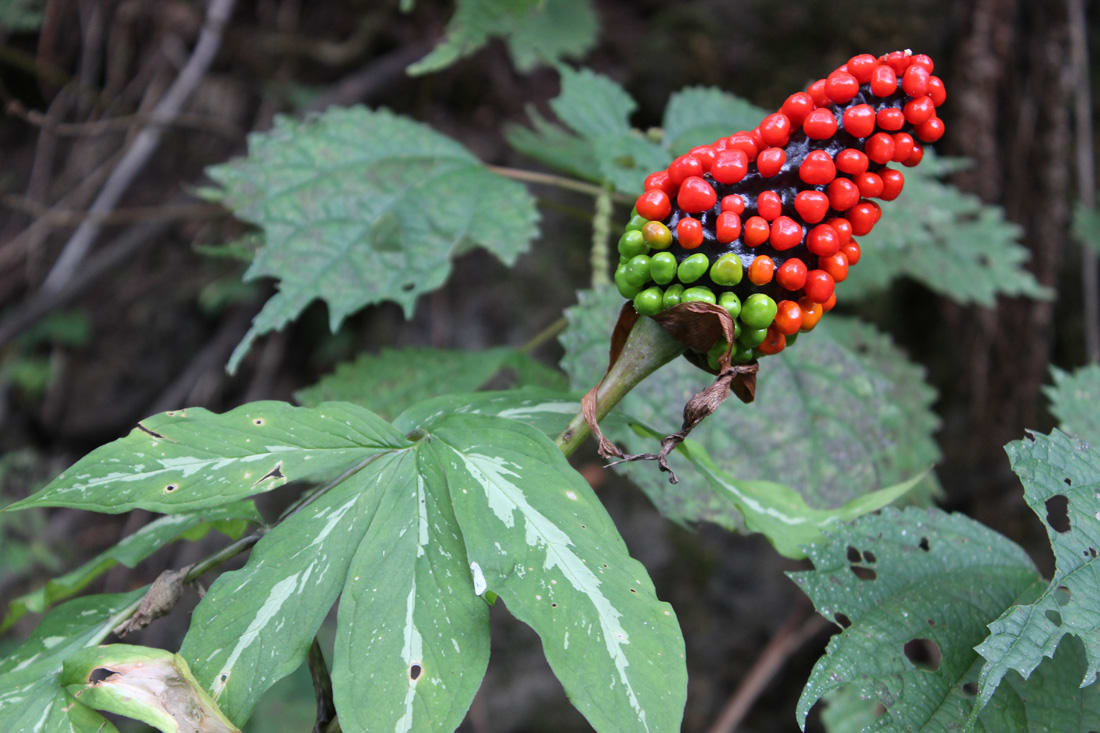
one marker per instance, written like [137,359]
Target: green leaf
[947,240]
[1073,400]
[360,206]
[232,520]
[1086,225]
[537,536]
[192,459]
[846,711]
[390,381]
[1061,478]
[21,16]
[547,411]
[837,416]
[150,685]
[898,577]
[701,115]
[31,697]
[537,32]
[552,144]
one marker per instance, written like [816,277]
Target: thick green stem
[647,349]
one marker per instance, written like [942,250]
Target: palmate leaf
[32,699]
[548,411]
[1073,400]
[1061,477]
[394,379]
[840,414]
[410,531]
[232,520]
[537,32]
[360,206]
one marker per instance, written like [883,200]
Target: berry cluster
[763,221]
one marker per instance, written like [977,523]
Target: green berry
[731,303]
[741,354]
[648,302]
[692,268]
[716,352]
[662,268]
[673,296]
[626,289]
[637,221]
[637,271]
[657,235]
[632,243]
[700,294]
[758,311]
[752,337]
[726,270]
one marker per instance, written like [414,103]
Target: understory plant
[421,500]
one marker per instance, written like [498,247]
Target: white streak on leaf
[412,653]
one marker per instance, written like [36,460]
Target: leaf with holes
[1061,477]
[187,460]
[232,520]
[360,206]
[842,415]
[395,379]
[1073,400]
[32,699]
[537,32]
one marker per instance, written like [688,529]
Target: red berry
[923,62]
[788,317]
[859,121]
[654,204]
[852,252]
[775,129]
[690,232]
[829,304]
[785,233]
[915,81]
[936,90]
[769,205]
[811,313]
[817,93]
[851,161]
[659,180]
[823,240]
[903,146]
[730,166]
[861,67]
[695,195]
[819,286]
[744,142]
[880,147]
[884,81]
[812,206]
[761,270]
[721,144]
[771,161]
[918,110]
[817,168]
[931,130]
[892,183]
[843,194]
[863,217]
[898,61]
[836,265]
[756,230]
[797,106]
[759,141]
[791,275]
[705,154]
[870,185]
[891,119]
[841,86]
[734,202]
[916,157]
[684,167]
[727,227]
[820,124]
[843,229]
[773,343]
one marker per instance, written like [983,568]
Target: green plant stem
[549,179]
[545,335]
[647,348]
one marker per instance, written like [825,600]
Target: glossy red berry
[819,286]
[936,90]
[791,275]
[773,343]
[775,130]
[851,161]
[811,313]
[841,86]
[923,61]
[696,195]
[884,81]
[898,61]
[744,142]
[689,232]
[705,154]
[843,229]
[903,146]
[852,251]
[916,157]
[797,106]
[892,183]
[817,168]
[915,81]
[659,180]
[734,202]
[817,93]
[863,216]
[890,119]
[769,205]
[918,110]
[771,161]
[861,67]
[812,206]
[836,265]
[843,194]
[755,230]
[880,147]
[869,184]
[823,240]
[730,166]
[654,204]
[859,121]
[829,304]
[727,227]
[820,124]
[788,317]
[684,167]
[761,270]
[931,130]
[785,233]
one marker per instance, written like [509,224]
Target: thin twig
[548,179]
[67,218]
[144,144]
[122,123]
[1086,174]
[545,335]
[794,632]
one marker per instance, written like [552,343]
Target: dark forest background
[147,320]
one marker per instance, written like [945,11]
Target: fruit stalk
[647,349]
